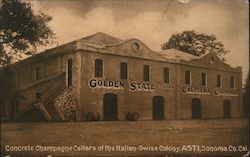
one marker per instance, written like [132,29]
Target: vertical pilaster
[241,104]
[177,94]
[77,84]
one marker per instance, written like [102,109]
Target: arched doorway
[109,107]
[196,108]
[158,108]
[227,108]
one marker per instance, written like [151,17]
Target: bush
[132,116]
[93,116]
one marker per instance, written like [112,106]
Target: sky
[153,21]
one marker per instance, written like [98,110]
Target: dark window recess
[158,108]
[98,68]
[109,107]
[38,96]
[227,109]
[145,73]
[196,108]
[232,82]
[38,74]
[124,71]
[219,81]
[166,75]
[187,77]
[69,82]
[203,79]
[3,107]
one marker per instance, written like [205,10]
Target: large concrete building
[101,77]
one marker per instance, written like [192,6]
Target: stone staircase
[65,103]
[59,107]
[51,108]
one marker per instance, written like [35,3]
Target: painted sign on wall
[187,89]
[98,83]
[133,86]
[225,92]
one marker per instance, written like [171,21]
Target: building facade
[101,77]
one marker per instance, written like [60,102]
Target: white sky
[153,21]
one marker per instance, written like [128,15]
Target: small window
[232,82]
[212,60]
[98,68]
[69,82]
[38,73]
[166,75]
[203,79]
[188,77]
[38,96]
[145,73]
[219,81]
[135,47]
[124,71]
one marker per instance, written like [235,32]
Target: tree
[195,43]
[21,30]
[8,95]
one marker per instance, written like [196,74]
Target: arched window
[187,77]
[219,81]
[145,73]
[98,68]
[124,71]
[232,82]
[203,79]
[69,73]
[166,75]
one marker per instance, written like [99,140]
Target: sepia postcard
[124,78]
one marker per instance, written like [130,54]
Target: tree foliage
[6,83]
[195,43]
[21,30]
[7,90]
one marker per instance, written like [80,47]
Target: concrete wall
[128,101]
[177,105]
[53,80]
[47,89]
[211,105]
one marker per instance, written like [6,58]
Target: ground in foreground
[141,138]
